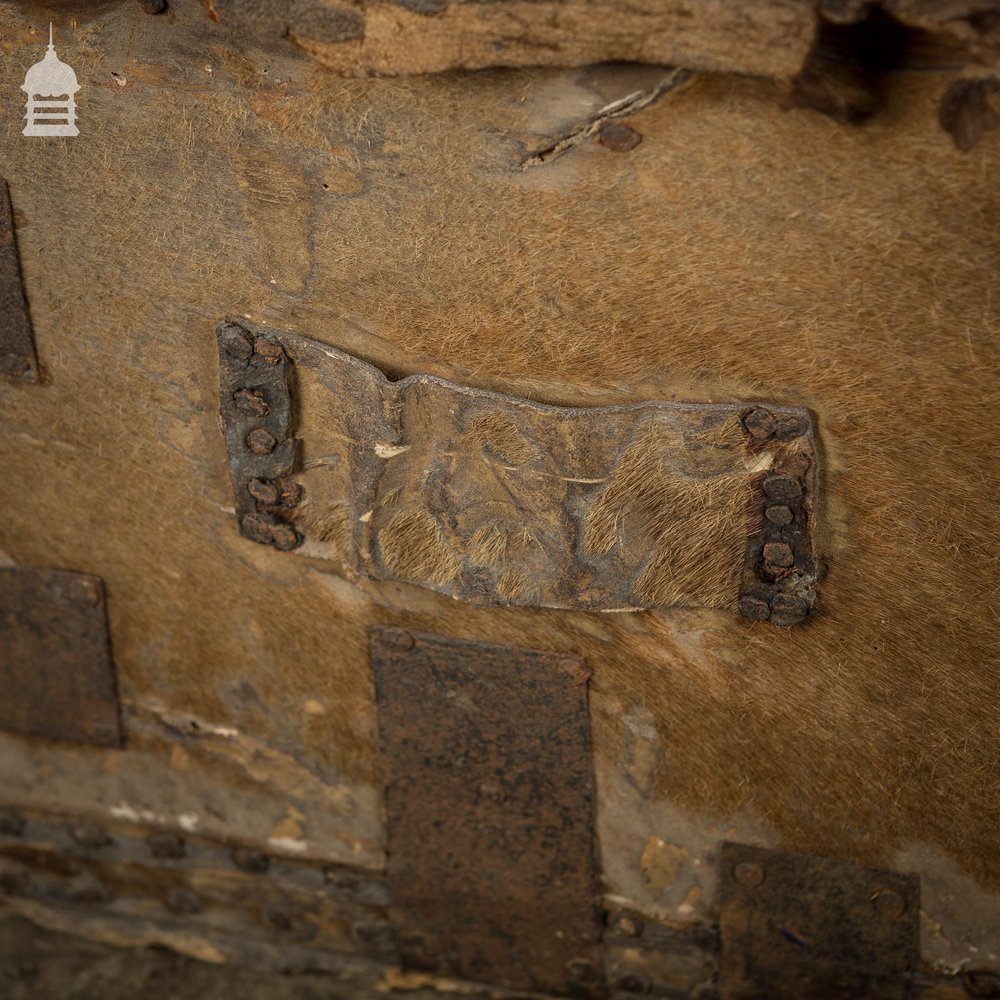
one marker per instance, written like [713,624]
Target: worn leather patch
[498,500]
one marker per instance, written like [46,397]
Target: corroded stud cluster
[256,414]
[780,569]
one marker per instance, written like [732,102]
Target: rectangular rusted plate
[489,792]
[17,348]
[56,675]
[797,927]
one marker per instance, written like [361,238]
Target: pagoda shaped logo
[51,88]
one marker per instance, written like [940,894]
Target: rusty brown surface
[796,926]
[489,795]
[56,674]
[17,346]
[498,500]
[779,580]
[256,408]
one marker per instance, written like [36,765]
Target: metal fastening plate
[798,927]
[17,347]
[498,500]
[489,792]
[56,674]
[255,402]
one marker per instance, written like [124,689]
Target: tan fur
[413,547]
[740,252]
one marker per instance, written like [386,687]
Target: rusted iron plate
[489,792]
[497,500]
[255,403]
[56,674]
[795,926]
[17,346]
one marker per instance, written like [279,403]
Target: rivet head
[788,610]
[284,536]
[889,904]
[627,924]
[261,441]
[235,343]
[779,515]
[759,423]
[167,845]
[782,488]
[791,427]
[267,349]
[632,982]
[779,554]
[256,529]
[402,641]
[89,835]
[618,137]
[249,860]
[982,982]
[582,970]
[754,609]
[251,402]
[749,874]
[263,491]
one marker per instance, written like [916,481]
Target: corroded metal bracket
[56,674]
[256,408]
[489,791]
[497,500]
[796,926]
[779,575]
[17,346]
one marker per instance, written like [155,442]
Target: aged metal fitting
[981,982]
[759,423]
[788,610]
[249,860]
[256,529]
[267,349]
[889,904]
[779,515]
[167,845]
[754,608]
[618,137]
[582,970]
[749,874]
[627,924]
[263,491]
[261,441]
[235,342]
[779,554]
[632,982]
[781,487]
[89,835]
[790,427]
[284,536]
[251,402]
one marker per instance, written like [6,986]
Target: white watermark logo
[51,88]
